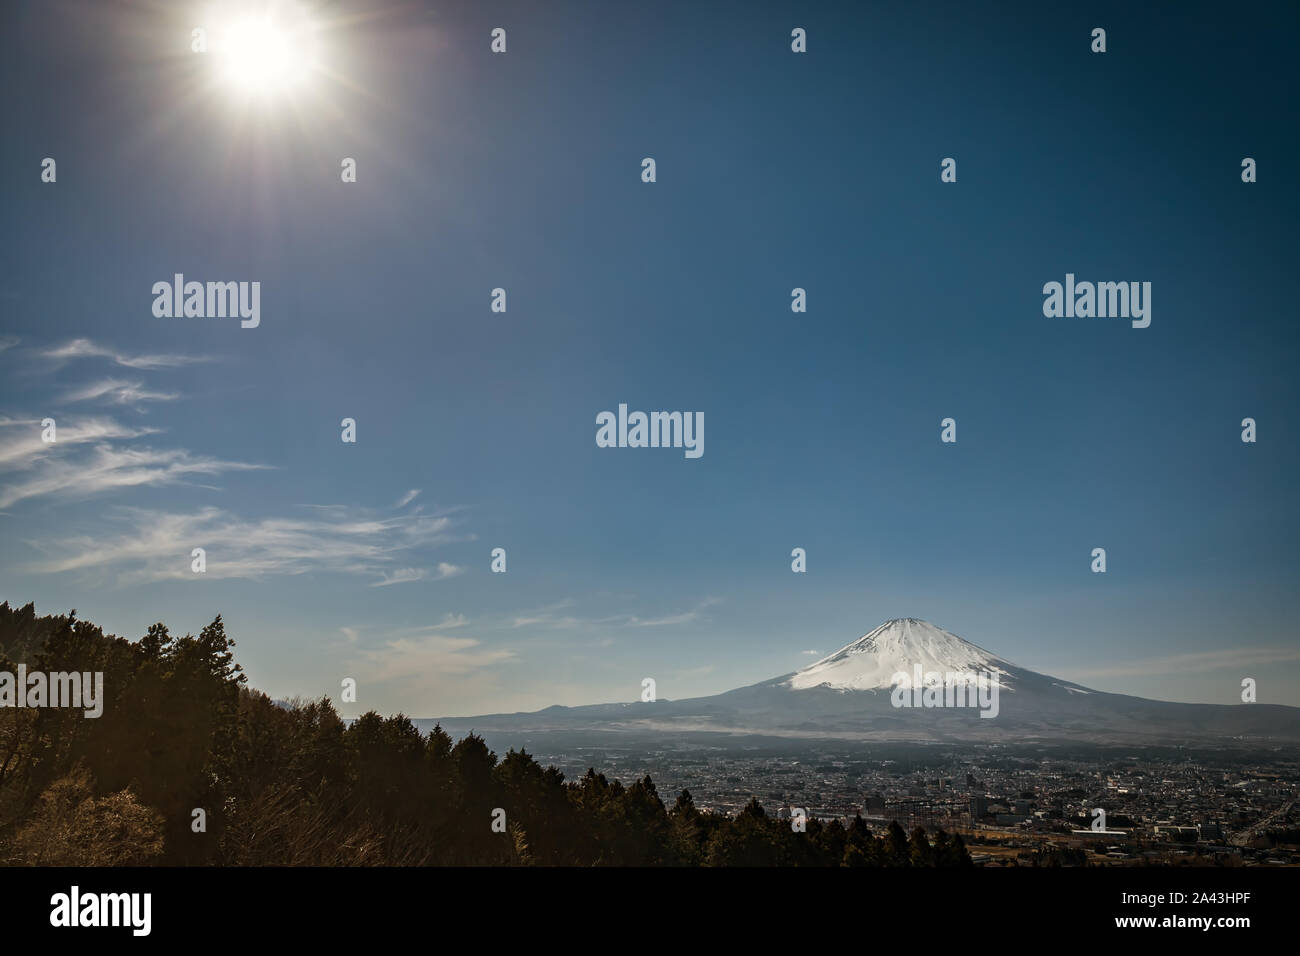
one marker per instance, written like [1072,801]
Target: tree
[896,851]
[74,828]
[920,851]
[688,834]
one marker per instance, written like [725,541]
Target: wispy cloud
[156,545]
[400,576]
[406,575]
[407,659]
[21,446]
[449,622]
[544,616]
[85,348]
[94,456]
[112,391]
[424,665]
[8,342]
[686,617]
[109,468]
[547,618]
[437,672]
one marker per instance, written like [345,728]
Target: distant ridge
[847,696]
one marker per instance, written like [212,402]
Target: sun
[267,55]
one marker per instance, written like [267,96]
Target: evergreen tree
[896,851]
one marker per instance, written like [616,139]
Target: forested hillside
[181,733]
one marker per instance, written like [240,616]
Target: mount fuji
[847,696]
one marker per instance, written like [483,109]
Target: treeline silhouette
[182,742]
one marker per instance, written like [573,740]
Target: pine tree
[896,850]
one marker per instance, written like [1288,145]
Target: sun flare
[265,56]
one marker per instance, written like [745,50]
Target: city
[1016,806]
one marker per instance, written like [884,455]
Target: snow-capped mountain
[872,661]
[849,695]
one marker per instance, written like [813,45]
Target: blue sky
[775,170]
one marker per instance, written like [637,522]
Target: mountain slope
[847,695]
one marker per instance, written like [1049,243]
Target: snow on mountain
[871,662]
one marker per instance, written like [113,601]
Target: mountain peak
[839,698]
[870,662]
